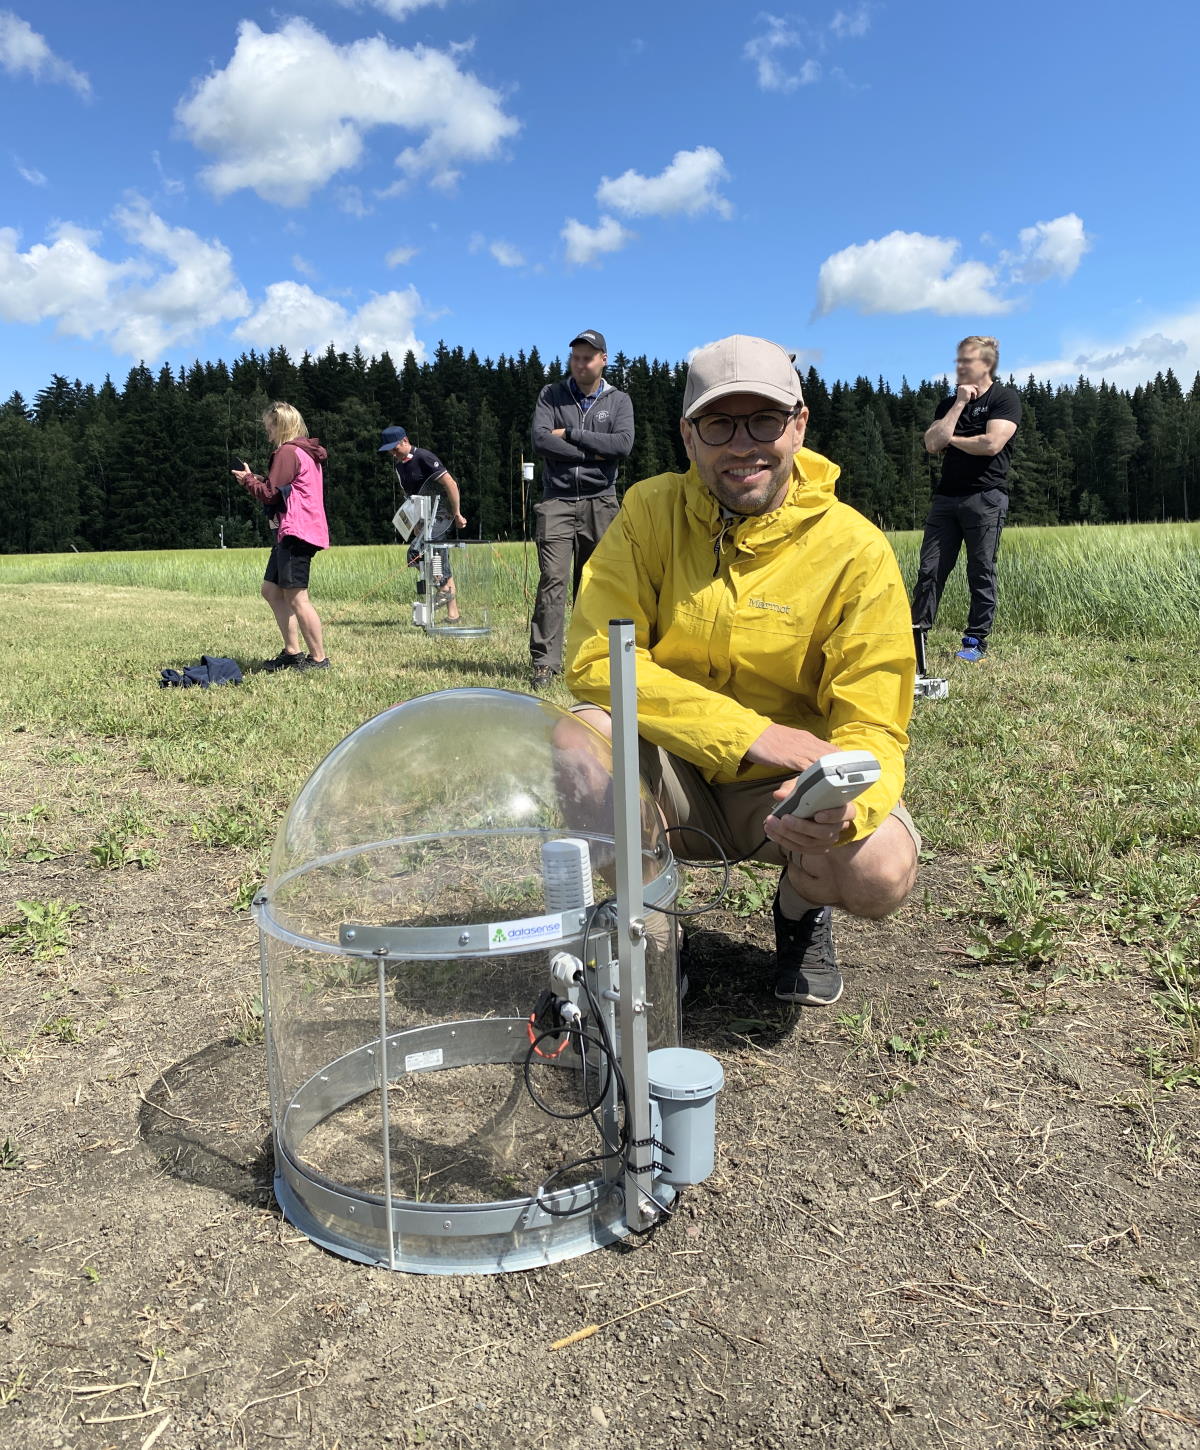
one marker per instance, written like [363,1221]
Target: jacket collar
[810,493]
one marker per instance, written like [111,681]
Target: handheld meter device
[830,782]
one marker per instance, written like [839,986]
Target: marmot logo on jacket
[766,604]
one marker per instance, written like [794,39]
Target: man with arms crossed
[974,430]
[772,628]
[582,428]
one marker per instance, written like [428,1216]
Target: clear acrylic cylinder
[427,874]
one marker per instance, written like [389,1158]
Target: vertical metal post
[631,928]
[385,1125]
[427,559]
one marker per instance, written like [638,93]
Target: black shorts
[289,562]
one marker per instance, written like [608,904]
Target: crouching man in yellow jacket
[772,627]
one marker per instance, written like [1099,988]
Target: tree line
[146,466]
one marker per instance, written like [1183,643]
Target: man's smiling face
[747,476]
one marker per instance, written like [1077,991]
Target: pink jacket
[297,466]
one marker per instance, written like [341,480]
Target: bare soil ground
[946,1212]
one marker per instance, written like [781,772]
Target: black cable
[591,1108]
[581,1036]
[722,863]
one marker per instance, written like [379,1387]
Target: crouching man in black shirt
[975,431]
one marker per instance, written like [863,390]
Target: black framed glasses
[763,426]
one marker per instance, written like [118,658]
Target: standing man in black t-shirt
[974,430]
[420,471]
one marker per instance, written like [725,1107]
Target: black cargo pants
[976,521]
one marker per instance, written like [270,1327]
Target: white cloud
[912,272]
[170,184]
[23,49]
[766,50]
[400,256]
[1167,342]
[350,200]
[30,174]
[585,244]
[175,286]
[689,185]
[303,266]
[199,290]
[68,281]
[506,254]
[1154,351]
[907,272]
[1049,249]
[292,315]
[291,109]
[393,9]
[853,25]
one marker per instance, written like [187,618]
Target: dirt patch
[947,1211]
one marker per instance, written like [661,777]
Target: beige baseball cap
[741,364]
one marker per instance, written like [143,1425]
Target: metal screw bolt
[446,1223]
[464,938]
[351,934]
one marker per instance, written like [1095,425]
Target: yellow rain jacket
[796,617]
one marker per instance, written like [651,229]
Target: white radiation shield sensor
[567,874]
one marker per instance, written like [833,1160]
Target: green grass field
[1118,581]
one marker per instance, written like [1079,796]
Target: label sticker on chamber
[416,1061]
[533,931]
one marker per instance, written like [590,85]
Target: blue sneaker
[973,649]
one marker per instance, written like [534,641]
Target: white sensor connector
[566,969]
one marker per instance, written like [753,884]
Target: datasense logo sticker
[530,932]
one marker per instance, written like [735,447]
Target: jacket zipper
[582,420]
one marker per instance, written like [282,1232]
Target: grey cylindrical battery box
[685,1083]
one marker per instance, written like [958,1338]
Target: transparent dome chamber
[429,875]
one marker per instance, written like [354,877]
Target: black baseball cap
[391,436]
[592,338]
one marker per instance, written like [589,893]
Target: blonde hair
[283,423]
[989,350]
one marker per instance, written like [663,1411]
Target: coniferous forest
[146,466]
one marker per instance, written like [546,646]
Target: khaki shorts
[730,815]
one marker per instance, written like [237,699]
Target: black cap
[391,436]
[592,338]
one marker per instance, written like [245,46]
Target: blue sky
[865,183]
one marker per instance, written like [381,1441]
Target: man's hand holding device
[820,803]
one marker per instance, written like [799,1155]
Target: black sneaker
[541,677]
[284,660]
[308,663]
[806,968]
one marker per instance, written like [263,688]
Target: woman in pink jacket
[294,494]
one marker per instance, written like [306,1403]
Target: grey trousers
[567,532]
[977,521]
